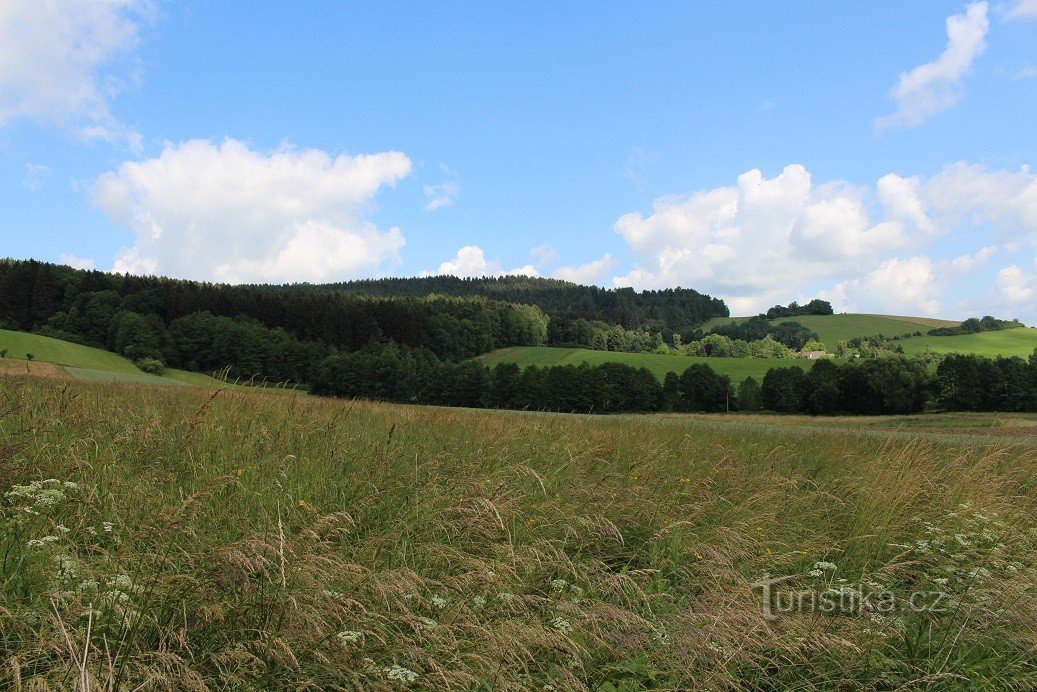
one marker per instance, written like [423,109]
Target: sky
[875,154]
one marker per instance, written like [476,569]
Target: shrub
[152,366]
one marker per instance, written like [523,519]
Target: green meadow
[174,538]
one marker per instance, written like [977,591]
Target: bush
[152,366]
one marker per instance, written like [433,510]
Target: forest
[422,348]
[666,311]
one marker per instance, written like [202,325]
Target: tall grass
[183,539]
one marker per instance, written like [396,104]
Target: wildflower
[239,473]
[40,542]
[401,674]
[349,637]
[439,602]
[478,602]
[562,625]
[505,596]
[559,585]
[428,622]
[302,503]
[333,595]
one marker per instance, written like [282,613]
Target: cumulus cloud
[441,195]
[756,242]
[1017,288]
[936,86]
[907,286]
[974,194]
[75,262]
[1023,9]
[59,62]
[594,272]
[226,212]
[470,262]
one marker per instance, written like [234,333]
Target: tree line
[794,309]
[136,315]
[892,385]
[666,311]
[975,325]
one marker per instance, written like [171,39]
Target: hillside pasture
[1020,341]
[843,327]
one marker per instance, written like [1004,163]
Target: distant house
[814,355]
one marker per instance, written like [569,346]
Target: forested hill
[254,329]
[669,310]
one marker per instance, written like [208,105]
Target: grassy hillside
[1009,342]
[178,540]
[835,328]
[92,364]
[659,365]
[44,348]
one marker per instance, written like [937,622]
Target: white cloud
[973,194]
[1023,9]
[470,262]
[441,195]
[544,255]
[897,286]
[590,273]
[57,60]
[229,213]
[756,243]
[936,86]
[75,262]
[966,264]
[1017,288]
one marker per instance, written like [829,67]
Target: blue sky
[876,154]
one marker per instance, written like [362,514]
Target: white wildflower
[439,602]
[401,674]
[349,637]
[559,585]
[562,625]
[478,602]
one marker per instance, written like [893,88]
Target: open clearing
[254,541]
[835,328]
[737,368]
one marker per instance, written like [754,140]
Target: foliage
[975,325]
[667,310]
[794,309]
[152,366]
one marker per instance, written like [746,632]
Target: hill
[843,327]
[87,363]
[1008,342]
[736,368]
[670,310]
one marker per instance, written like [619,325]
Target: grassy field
[835,328]
[737,368]
[1008,342]
[92,364]
[44,348]
[172,538]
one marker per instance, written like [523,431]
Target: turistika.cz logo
[779,597]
